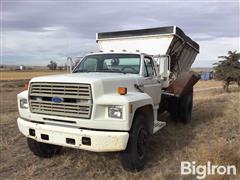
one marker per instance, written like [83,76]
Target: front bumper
[100,141]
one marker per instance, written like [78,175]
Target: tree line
[228,69]
[54,66]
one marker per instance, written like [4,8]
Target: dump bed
[164,40]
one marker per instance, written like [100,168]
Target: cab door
[150,82]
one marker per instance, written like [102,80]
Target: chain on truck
[111,101]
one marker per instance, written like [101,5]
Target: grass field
[208,84]
[213,135]
[21,75]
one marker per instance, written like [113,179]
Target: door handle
[139,86]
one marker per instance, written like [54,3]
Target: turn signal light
[122,90]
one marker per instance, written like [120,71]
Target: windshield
[118,63]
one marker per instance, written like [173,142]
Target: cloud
[211,49]
[59,29]
[44,46]
[84,18]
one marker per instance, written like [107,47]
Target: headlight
[115,111]
[23,103]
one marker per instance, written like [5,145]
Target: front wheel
[134,157]
[42,149]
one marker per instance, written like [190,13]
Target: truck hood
[84,77]
[101,83]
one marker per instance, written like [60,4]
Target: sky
[35,32]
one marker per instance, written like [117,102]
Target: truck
[112,100]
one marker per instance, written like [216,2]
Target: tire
[180,109]
[134,157]
[173,108]
[185,109]
[43,149]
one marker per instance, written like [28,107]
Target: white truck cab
[111,100]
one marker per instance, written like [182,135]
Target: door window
[149,69]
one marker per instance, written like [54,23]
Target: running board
[158,125]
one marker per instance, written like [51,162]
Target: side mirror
[163,62]
[69,64]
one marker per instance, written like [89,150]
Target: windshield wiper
[106,70]
[81,70]
[109,70]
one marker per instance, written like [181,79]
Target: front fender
[23,112]
[131,102]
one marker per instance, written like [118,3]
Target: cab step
[158,125]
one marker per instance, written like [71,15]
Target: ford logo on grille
[57,99]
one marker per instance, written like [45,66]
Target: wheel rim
[141,143]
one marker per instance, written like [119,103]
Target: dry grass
[208,84]
[214,135]
[4,144]
[27,74]
[220,152]
[223,146]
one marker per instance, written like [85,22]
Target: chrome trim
[41,94]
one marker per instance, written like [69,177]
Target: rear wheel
[42,149]
[134,157]
[173,108]
[180,109]
[185,109]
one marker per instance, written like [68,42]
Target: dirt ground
[213,135]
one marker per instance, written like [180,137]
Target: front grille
[76,99]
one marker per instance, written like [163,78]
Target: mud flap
[183,84]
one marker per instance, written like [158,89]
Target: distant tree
[228,69]
[52,65]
